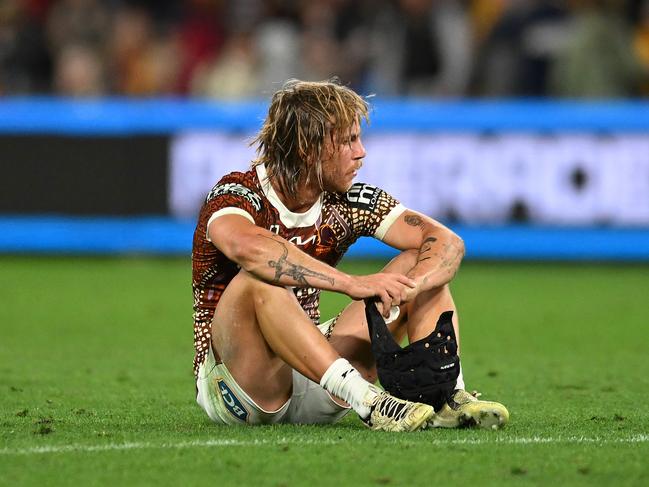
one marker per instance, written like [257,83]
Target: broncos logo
[326,241]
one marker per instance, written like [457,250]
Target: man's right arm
[275,260]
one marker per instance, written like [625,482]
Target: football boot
[465,410]
[387,413]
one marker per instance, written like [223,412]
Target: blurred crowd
[231,49]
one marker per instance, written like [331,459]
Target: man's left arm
[440,251]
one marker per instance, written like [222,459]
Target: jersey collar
[287,217]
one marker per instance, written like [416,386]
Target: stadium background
[523,125]
[124,113]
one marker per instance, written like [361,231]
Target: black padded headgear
[424,371]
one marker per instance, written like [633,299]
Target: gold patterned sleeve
[372,210]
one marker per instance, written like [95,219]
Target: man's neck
[302,201]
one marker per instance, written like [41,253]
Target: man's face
[340,169]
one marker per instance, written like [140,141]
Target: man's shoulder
[237,187]
[364,196]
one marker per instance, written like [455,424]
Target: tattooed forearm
[450,256]
[439,257]
[283,267]
[426,246]
[450,259]
[442,263]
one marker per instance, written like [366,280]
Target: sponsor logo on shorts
[237,190]
[232,402]
[363,196]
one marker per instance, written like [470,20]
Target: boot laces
[391,407]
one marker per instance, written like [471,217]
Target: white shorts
[225,402]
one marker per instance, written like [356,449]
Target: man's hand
[392,289]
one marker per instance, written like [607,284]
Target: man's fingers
[401,279]
[392,292]
[404,296]
[386,302]
[407,281]
[391,289]
[399,293]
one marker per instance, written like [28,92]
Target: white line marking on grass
[534,440]
[163,446]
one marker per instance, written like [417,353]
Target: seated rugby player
[267,243]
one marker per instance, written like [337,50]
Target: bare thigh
[238,340]
[261,333]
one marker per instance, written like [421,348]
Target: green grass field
[96,385]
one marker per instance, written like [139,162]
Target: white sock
[459,384]
[344,381]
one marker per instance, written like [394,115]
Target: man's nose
[359,151]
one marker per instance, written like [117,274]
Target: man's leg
[462,409]
[417,320]
[258,330]
[261,333]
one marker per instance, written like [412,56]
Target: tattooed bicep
[414,220]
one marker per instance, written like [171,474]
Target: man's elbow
[455,253]
[454,244]
[458,243]
[242,250]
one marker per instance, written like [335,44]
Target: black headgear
[424,371]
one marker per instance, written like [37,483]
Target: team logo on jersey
[364,196]
[298,240]
[237,190]
[232,402]
[301,242]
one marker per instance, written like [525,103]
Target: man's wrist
[345,283]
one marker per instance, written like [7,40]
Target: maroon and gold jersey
[325,232]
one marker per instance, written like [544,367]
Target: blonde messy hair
[302,114]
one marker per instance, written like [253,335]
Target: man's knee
[259,292]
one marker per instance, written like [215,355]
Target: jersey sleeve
[233,195]
[373,210]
